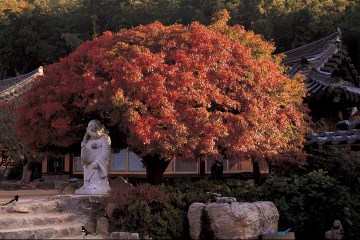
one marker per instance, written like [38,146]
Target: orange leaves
[177,91]
[16,6]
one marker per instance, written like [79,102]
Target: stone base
[287,236]
[88,191]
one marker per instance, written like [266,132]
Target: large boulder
[109,209]
[119,183]
[234,220]
[194,217]
[102,226]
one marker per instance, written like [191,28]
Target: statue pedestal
[89,191]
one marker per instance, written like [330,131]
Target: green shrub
[183,193]
[308,204]
[339,162]
[352,217]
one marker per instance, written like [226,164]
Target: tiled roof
[313,50]
[13,87]
[349,133]
[327,68]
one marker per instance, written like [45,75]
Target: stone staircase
[37,219]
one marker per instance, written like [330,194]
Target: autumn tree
[172,92]
[12,148]
[8,138]
[11,6]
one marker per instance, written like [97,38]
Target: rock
[73,180]
[225,199]
[25,187]
[270,215]
[109,209]
[11,186]
[119,183]
[45,185]
[87,208]
[233,221]
[102,226]
[124,235]
[20,210]
[32,236]
[90,226]
[68,189]
[336,232]
[194,217]
[93,192]
[230,221]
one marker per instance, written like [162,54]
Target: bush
[308,204]
[352,217]
[183,193]
[340,163]
[146,209]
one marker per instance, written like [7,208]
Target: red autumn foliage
[177,92]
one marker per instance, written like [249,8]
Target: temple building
[13,87]
[333,86]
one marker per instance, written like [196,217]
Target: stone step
[54,231]
[84,237]
[13,221]
[44,206]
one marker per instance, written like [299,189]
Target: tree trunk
[26,173]
[155,168]
[256,173]
[36,171]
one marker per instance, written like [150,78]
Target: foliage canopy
[184,92]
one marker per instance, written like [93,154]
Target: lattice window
[135,164]
[118,161]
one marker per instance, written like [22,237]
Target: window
[135,164]
[118,161]
[186,167]
[78,164]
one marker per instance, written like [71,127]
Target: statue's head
[95,129]
[337,225]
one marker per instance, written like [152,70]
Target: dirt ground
[26,194]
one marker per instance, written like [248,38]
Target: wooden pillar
[67,163]
[340,115]
[44,166]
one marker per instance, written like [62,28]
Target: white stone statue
[95,157]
